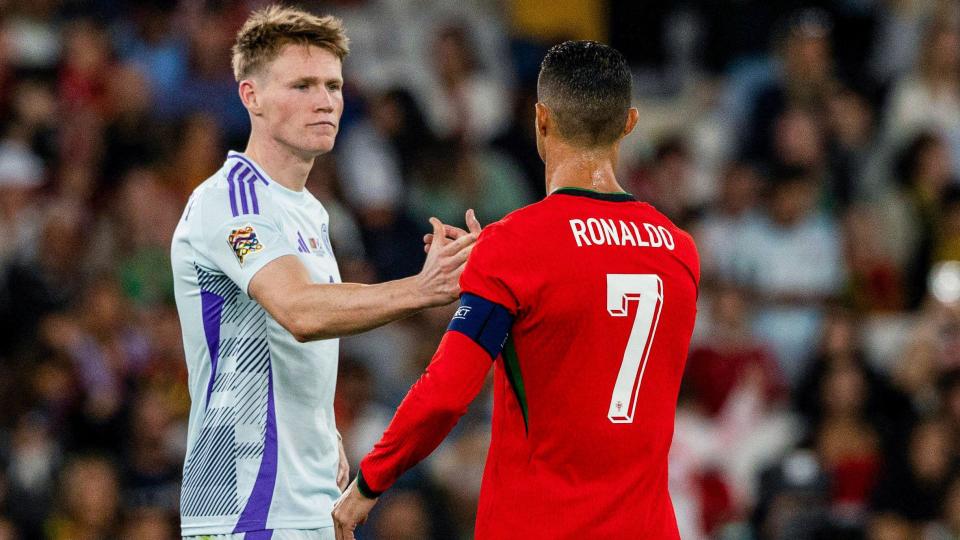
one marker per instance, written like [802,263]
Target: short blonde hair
[268,30]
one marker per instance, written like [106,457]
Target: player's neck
[572,167]
[285,167]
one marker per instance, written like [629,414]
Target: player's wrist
[364,488]
[424,293]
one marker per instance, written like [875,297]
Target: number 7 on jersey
[647,291]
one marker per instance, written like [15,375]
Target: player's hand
[453,232]
[439,281]
[350,511]
[343,470]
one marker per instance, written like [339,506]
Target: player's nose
[324,101]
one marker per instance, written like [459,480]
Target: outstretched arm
[432,407]
[313,311]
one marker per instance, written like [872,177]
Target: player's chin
[319,144]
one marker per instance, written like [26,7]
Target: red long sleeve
[431,408]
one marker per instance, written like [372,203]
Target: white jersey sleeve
[240,236]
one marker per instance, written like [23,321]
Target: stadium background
[812,148]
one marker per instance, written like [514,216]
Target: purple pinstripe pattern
[243,190]
[254,515]
[233,191]
[212,305]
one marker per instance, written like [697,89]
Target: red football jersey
[602,292]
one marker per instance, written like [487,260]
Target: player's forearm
[419,427]
[428,412]
[341,309]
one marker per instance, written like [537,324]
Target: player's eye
[334,87]
[301,86]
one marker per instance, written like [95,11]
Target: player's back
[604,292]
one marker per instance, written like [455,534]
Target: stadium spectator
[790,259]
[928,99]
[807,81]
[82,512]
[926,472]
[726,220]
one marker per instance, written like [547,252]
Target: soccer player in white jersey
[261,303]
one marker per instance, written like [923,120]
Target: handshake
[447,249]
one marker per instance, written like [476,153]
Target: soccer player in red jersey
[584,304]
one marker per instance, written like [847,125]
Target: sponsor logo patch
[244,242]
[462,312]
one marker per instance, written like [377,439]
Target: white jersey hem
[272,524]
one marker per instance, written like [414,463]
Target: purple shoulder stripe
[252,183]
[241,186]
[233,190]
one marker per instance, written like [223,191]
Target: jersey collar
[603,196]
[277,188]
[248,161]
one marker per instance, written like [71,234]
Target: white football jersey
[262,445]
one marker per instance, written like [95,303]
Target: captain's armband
[485,322]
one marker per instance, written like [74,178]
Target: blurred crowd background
[812,148]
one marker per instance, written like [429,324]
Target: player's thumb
[438,233]
[473,224]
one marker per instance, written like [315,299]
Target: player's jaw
[317,137]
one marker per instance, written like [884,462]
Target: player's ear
[543,119]
[249,96]
[632,116]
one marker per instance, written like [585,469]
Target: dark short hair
[587,86]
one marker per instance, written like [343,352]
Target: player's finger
[438,233]
[472,222]
[453,231]
[459,258]
[460,243]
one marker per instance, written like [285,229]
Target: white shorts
[325,533]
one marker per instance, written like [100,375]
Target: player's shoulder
[238,189]
[684,245]
[511,226]
[523,218]
[657,217]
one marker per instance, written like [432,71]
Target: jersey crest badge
[244,242]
